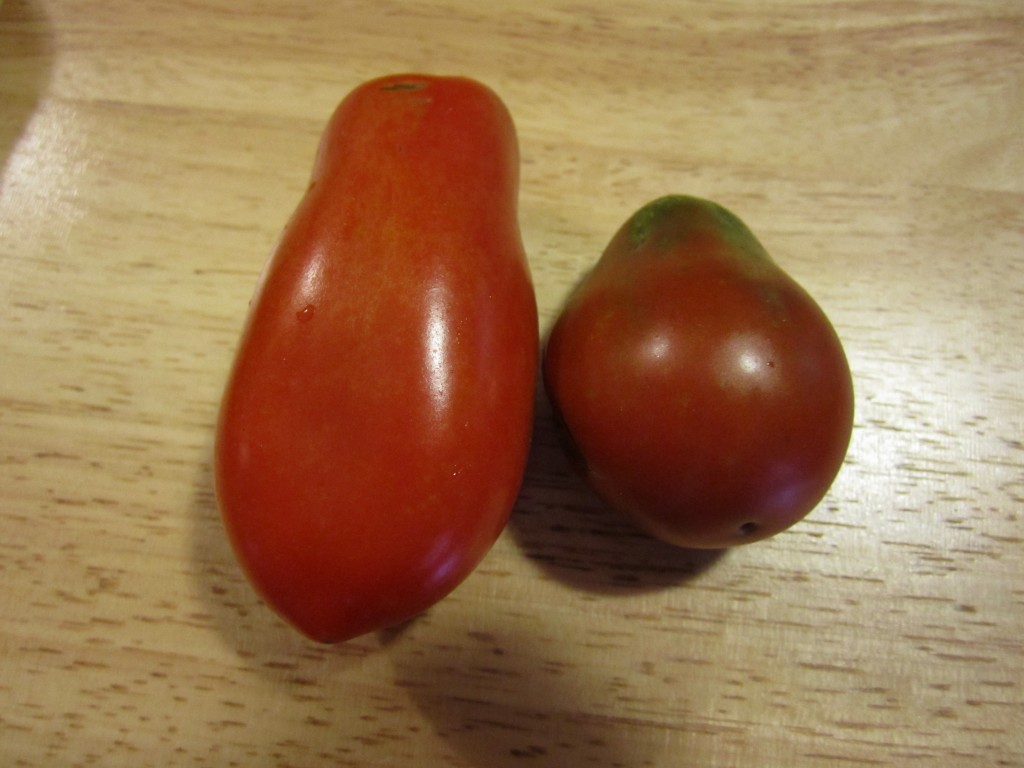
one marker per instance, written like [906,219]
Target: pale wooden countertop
[152,150]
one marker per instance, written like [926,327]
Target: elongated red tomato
[374,430]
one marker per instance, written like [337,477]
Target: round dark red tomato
[706,394]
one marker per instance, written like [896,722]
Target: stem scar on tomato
[404,87]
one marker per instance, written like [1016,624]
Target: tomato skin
[374,429]
[704,392]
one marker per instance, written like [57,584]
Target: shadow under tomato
[563,527]
[503,696]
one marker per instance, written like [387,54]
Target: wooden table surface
[150,153]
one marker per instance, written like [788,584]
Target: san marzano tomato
[707,395]
[374,431]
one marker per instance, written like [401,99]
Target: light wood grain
[152,150]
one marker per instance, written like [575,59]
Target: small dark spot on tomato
[748,529]
[404,87]
[305,314]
